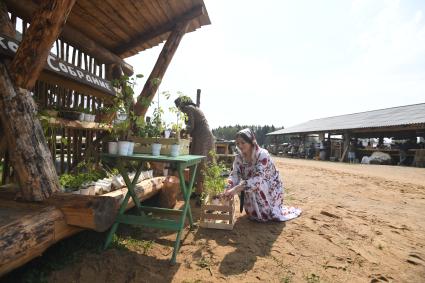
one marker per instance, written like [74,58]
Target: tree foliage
[229,132]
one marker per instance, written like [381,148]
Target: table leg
[131,185]
[130,193]
[186,190]
[115,225]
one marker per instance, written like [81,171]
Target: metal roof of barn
[389,117]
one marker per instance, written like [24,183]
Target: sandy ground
[360,223]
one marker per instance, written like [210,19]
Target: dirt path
[360,224]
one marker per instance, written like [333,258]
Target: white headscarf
[251,136]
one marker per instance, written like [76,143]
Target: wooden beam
[32,53]
[25,9]
[169,26]
[91,212]
[28,150]
[6,26]
[161,65]
[32,228]
[143,190]
[30,231]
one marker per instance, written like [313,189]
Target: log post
[29,154]
[6,28]
[161,65]
[32,53]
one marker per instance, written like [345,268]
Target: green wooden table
[180,162]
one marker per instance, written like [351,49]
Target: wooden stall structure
[398,123]
[63,56]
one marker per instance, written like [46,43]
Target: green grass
[128,243]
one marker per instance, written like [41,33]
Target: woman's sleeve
[190,123]
[259,172]
[234,177]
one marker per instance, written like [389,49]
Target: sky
[281,63]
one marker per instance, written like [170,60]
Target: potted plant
[122,129]
[176,128]
[113,144]
[71,114]
[52,111]
[88,116]
[123,102]
[157,123]
[158,126]
[106,114]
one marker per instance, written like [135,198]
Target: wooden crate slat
[211,216]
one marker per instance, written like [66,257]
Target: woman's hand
[231,192]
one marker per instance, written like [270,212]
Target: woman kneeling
[255,175]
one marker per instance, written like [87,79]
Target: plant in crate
[214,182]
[216,213]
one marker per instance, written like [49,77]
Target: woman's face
[244,147]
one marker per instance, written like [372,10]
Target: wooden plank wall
[66,145]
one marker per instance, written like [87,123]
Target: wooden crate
[144,145]
[218,216]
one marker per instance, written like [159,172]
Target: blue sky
[284,62]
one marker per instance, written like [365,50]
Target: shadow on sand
[248,239]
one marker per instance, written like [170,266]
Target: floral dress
[263,189]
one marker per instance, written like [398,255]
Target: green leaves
[75,181]
[214,183]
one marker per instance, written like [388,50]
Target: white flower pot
[167,134]
[123,147]
[122,116]
[156,149]
[85,191]
[82,117]
[89,117]
[112,147]
[175,150]
[165,172]
[130,148]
